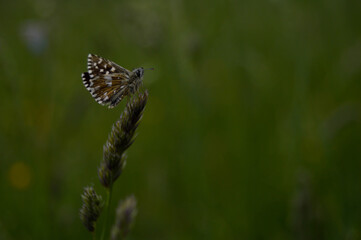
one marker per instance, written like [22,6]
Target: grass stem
[107,210]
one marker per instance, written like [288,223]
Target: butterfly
[109,83]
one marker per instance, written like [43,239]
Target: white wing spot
[108,82]
[113,69]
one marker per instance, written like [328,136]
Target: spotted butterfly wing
[106,81]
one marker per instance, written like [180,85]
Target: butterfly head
[139,72]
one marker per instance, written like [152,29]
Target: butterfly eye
[139,72]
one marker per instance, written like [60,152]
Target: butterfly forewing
[98,65]
[106,81]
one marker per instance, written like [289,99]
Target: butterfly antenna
[149,69]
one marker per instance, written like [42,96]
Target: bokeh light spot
[20,175]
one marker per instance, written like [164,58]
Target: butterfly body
[109,83]
[136,80]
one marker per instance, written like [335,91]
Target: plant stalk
[107,210]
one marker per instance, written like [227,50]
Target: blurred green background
[252,129]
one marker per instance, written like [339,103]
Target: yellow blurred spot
[19,175]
